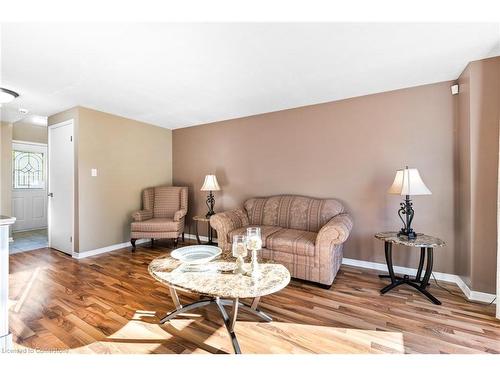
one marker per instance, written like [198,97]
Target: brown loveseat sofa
[304,234]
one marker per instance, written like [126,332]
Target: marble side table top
[422,240]
[218,280]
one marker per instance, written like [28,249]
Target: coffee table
[221,287]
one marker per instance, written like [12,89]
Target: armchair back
[165,201]
[292,211]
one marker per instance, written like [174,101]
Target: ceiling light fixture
[6,96]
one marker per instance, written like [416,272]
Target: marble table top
[216,279]
[422,240]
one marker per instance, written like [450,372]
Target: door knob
[50,195]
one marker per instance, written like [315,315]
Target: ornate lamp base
[406,214]
[210,204]
[411,235]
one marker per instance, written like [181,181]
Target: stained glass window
[27,170]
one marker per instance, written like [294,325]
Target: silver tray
[196,254]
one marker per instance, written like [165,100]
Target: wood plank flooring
[110,304]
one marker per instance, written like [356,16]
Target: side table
[201,218]
[426,244]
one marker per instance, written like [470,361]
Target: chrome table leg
[186,308]
[255,303]
[230,323]
[250,308]
[175,298]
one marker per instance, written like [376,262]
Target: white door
[61,186]
[29,188]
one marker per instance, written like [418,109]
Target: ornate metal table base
[229,321]
[210,233]
[417,282]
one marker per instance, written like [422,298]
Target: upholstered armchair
[304,234]
[162,216]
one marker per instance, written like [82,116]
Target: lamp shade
[210,183]
[408,182]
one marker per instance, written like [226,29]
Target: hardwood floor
[110,304]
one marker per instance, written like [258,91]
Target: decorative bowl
[196,254]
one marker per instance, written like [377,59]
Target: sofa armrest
[227,221]
[180,214]
[142,215]
[335,232]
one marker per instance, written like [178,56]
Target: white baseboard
[119,246]
[29,230]
[470,294]
[106,249]
[474,295]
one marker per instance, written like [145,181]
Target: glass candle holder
[239,252]
[254,244]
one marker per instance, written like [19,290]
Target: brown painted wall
[477,173]
[348,149]
[484,117]
[463,185]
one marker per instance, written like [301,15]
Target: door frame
[45,173]
[73,200]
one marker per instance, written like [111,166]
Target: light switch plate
[93,172]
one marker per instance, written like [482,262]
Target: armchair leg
[325,286]
[176,242]
[132,241]
[152,242]
[183,237]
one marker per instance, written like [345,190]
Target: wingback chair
[304,234]
[162,216]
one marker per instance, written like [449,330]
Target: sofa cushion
[294,241]
[265,231]
[292,211]
[156,225]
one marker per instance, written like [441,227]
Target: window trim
[30,147]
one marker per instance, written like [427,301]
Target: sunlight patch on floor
[11,303]
[295,338]
[144,335]
[27,290]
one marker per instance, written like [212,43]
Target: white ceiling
[178,75]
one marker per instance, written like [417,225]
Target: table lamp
[408,182]
[210,185]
